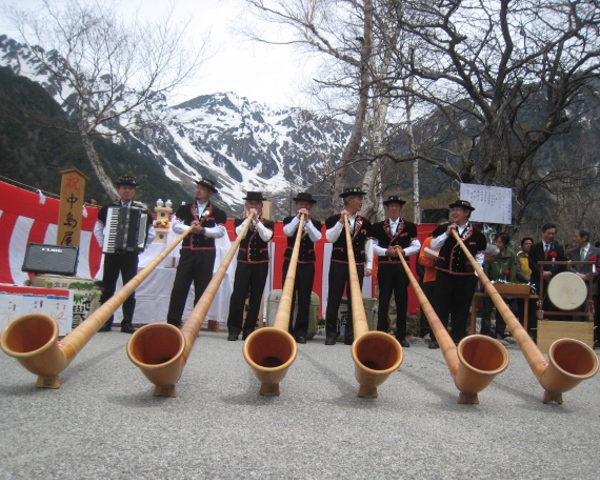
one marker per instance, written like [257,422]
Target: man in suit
[585,251]
[124,263]
[546,250]
[252,269]
[394,232]
[305,269]
[456,282]
[198,250]
[360,233]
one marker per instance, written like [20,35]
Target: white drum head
[567,291]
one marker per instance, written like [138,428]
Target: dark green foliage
[35,147]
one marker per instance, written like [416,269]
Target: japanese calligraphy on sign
[72,190]
[492,204]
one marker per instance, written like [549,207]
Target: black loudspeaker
[432,215]
[51,259]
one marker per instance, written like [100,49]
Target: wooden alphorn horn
[375,354]
[476,361]
[32,339]
[161,350]
[271,350]
[570,361]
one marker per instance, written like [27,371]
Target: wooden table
[506,291]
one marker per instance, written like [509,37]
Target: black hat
[254,196]
[352,191]
[127,180]
[304,197]
[462,203]
[208,183]
[394,199]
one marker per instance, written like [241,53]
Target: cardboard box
[86,293]
[548,331]
[71,283]
[16,301]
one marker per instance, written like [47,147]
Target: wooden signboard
[72,191]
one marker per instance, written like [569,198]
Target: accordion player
[126,229]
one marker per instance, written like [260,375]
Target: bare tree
[343,32]
[506,75]
[110,75]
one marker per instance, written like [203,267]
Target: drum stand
[568,296]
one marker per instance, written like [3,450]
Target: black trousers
[305,276]
[429,291]
[126,265]
[452,301]
[338,280]
[392,278]
[196,266]
[249,282]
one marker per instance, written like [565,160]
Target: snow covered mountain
[243,145]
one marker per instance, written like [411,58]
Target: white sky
[263,73]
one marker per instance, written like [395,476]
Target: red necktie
[546,252]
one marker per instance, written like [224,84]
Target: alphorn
[477,359]
[569,361]
[32,339]
[161,350]
[376,354]
[271,350]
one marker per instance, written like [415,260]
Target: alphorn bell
[476,361]
[375,354]
[161,350]
[570,361]
[32,339]
[271,350]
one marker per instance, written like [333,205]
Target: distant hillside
[33,149]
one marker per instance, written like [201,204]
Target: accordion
[125,230]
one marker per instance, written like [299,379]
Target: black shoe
[246,333]
[404,343]
[300,339]
[127,328]
[107,327]
[596,344]
[348,341]
[330,341]
[232,337]
[433,344]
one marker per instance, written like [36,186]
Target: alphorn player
[198,250]
[456,281]
[120,263]
[305,268]
[252,269]
[394,232]
[360,232]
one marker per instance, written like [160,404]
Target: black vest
[209,218]
[307,246]
[453,260]
[404,235]
[253,249]
[362,232]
